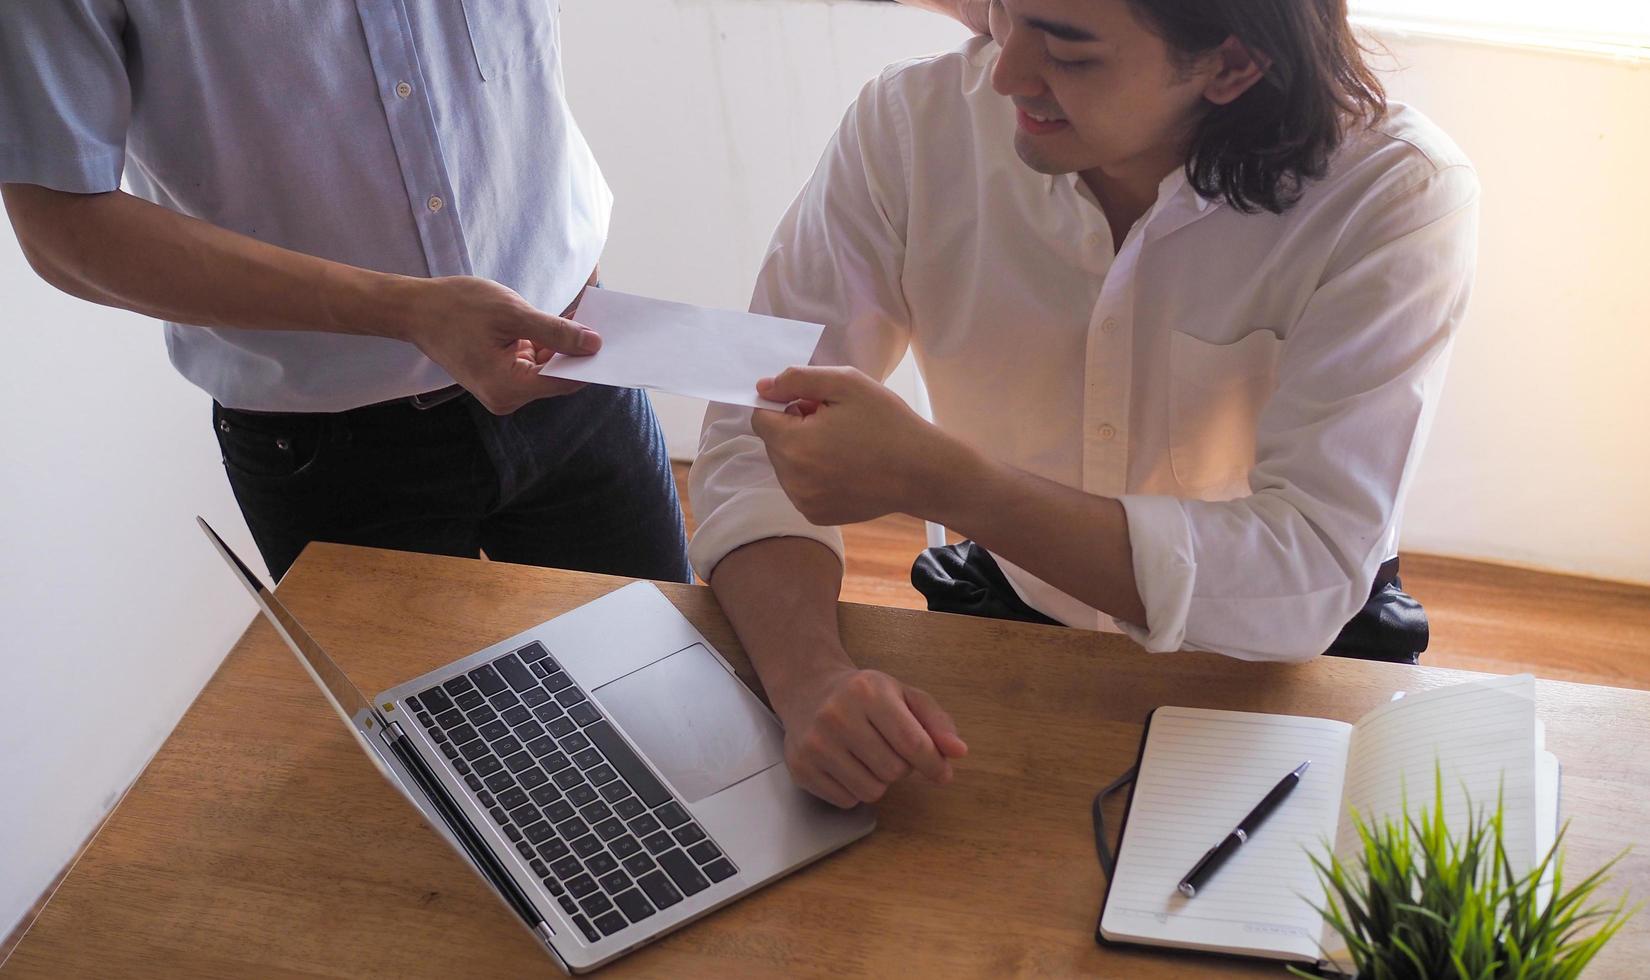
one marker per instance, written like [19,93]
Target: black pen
[1216,856]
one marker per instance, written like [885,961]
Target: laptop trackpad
[698,724]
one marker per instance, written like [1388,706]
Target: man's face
[1095,89]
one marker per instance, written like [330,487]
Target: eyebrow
[1065,32]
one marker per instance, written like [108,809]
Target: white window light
[1620,27]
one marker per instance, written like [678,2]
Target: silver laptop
[605,772]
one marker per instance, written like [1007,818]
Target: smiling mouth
[1038,123]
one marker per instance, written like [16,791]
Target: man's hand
[493,342]
[851,733]
[849,449]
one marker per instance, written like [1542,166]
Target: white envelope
[717,355]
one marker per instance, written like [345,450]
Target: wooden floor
[1562,627]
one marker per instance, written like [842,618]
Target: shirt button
[403,90]
[436,203]
[1109,325]
[1107,433]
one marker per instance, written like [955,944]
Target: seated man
[1182,285]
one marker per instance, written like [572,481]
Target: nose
[1015,73]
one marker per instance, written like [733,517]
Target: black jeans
[580,482]
[963,578]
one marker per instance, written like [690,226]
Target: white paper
[717,355]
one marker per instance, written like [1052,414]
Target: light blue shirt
[420,137]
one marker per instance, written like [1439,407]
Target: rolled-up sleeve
[836,259]
[1276,574]
[65,99]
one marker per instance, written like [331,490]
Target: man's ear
[1237,69]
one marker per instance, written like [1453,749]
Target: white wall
[115,610]
[1540,454]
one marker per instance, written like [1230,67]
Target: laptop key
[512,832]
[587,758]
[487,679]
[613,883]
[459,764]
[595,811]
[600,863]
[553,885]
[461,734]
[539,670]
[525,848]
[486,798]
[559,811]
[414,703]
[504,743]
[475,750]
[569,696]
[704,852]
[499,816]
[639,864]
[566,867]
[503,699]
[659,889]
[539,867]
[473,781]
[644,825]
[630,808]
[568,778]
[610,923]
[587,846]
[629,764]
[494,730]
[449,718]
[545,748]
[532,777]
[575,742]
[720,869]
[581,794]
[547,712]
[528,729]
[584,714]
[612,791]
[448,749]
[439,736]
[487,765]
[624,845]
[672,814]
[690,834]
[535,697]
[436,701]
[595,903]
[533,651]
[633,904]
[471,700]
[568,905]
[483,714]
[604,774]
[425,719]
[554,849]
[658,843]
[515,715]
[545,795]
[518,762]
[585,927]
[558,681]
[572,828]
[498,782]
[683,871]
[610,828]
[562,726]
[525,814]
[510,798]
[515,673]
[539,832]
[458,685]
[580,885]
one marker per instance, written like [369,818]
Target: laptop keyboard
[608,839]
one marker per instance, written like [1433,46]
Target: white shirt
[425,139]
[1255,388]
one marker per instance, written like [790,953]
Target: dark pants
[963,578]
[579,482]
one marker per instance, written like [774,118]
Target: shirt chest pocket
[1216,393]
[511,34]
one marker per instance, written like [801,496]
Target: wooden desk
[260,842]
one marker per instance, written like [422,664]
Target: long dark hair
[1258,151]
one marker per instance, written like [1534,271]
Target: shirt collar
[1174,183]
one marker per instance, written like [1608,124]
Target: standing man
[360,221]
[1182,285]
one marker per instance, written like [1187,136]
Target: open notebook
[1201,771]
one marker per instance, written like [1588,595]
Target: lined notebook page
[1201,773]
[1482,735]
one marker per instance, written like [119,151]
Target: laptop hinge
[392,731]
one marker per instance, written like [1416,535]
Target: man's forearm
[116,250]
[781,594]
[1075,541]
